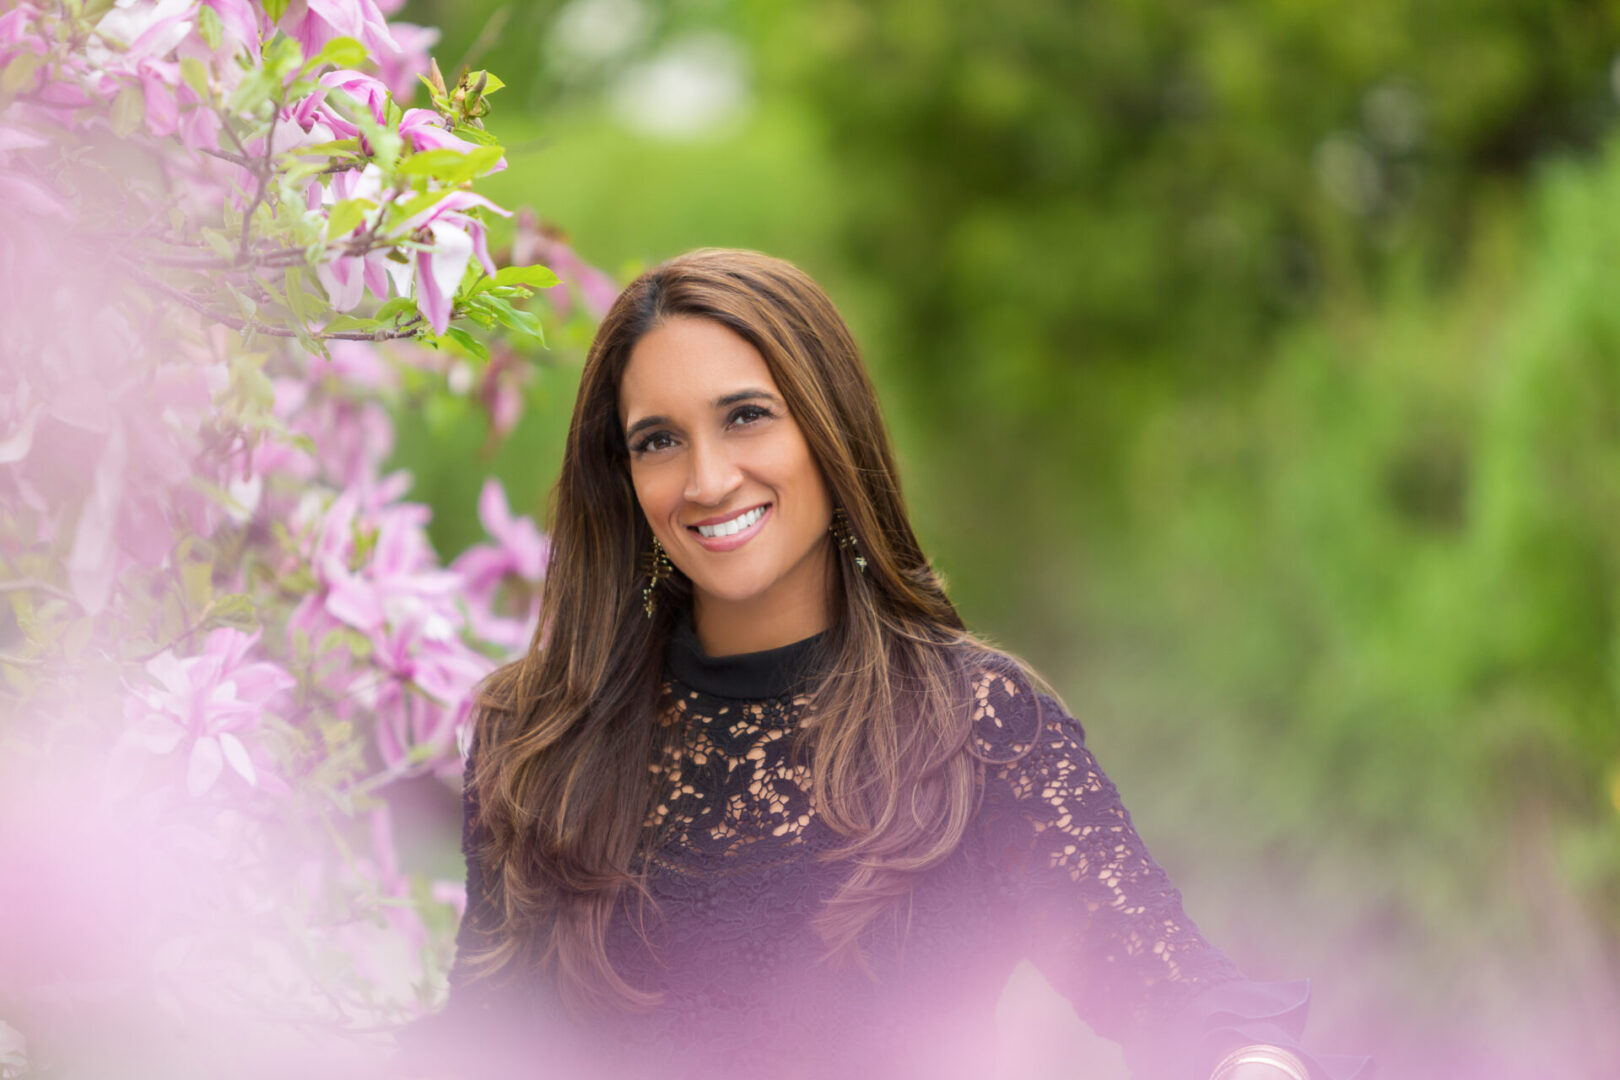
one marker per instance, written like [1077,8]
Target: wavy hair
[564,735]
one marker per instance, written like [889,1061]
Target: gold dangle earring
[844,536]
[656,565]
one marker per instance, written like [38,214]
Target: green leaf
[346,216]
[464,343]
[235,610]
[491,83]
[421,202]
[275,9]
[219,242]
[250,383]
[525,323]
[255,89]
[537,276]
[451,166]
[386,143]
[475,135]
[281,57]
[245,303]
[128,110]
[297,301]
[195,73]
[197,578]
[345,52]
[208,24]
[341,323]
[76,638]
[399,305]
[19,74]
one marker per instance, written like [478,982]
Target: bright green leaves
[536,277]
[341,52]
[128,109]
[449,166]
[346,216]
[209,26]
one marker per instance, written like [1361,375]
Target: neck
[727,628]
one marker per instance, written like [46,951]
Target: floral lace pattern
[1052,870]
[731,782]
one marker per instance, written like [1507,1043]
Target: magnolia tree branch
[35,585]
[407,329]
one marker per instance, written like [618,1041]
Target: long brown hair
[566,734]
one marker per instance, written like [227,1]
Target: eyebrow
[719,403]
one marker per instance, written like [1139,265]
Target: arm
[1101,919]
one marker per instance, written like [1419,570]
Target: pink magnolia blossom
[244,24]
[335,403]
[418,675]
[145,29]
[209,701]
[452,237]
[501,389]
[19,416]
[400,582]
[399,70]
[427,131]
[362,89]
[424,704]
[347,277]
[536,243]
[312,23]
[519,549]
[518,557]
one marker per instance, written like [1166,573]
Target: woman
[756,800]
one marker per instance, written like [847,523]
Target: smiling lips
[728,533]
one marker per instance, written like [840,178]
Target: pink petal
[438,273]
[344,280]
[172,673]
[157,733]
[241,21]
[92,564]
[162,109]
[15,446]
[204,768]
[236,754]
[494,512]
[355,604]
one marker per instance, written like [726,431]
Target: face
[724,475]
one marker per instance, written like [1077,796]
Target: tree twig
[406,330]
[35,585]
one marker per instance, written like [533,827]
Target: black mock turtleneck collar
[769,673]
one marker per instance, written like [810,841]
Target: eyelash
[644,444]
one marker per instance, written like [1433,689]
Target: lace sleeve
[1089,905]
[479,920]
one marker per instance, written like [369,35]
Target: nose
[711,473]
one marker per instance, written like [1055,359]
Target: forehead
[685,363]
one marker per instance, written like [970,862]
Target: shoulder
[1012,710]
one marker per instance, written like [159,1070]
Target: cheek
[652,487]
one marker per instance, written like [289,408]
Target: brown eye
[748,414]
[652,441]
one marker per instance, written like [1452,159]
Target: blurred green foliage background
[1255,371]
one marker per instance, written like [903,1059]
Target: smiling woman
[756,800]
[728,485]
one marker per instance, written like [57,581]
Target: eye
[654,440]
[748,414]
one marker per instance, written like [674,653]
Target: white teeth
[735,525]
